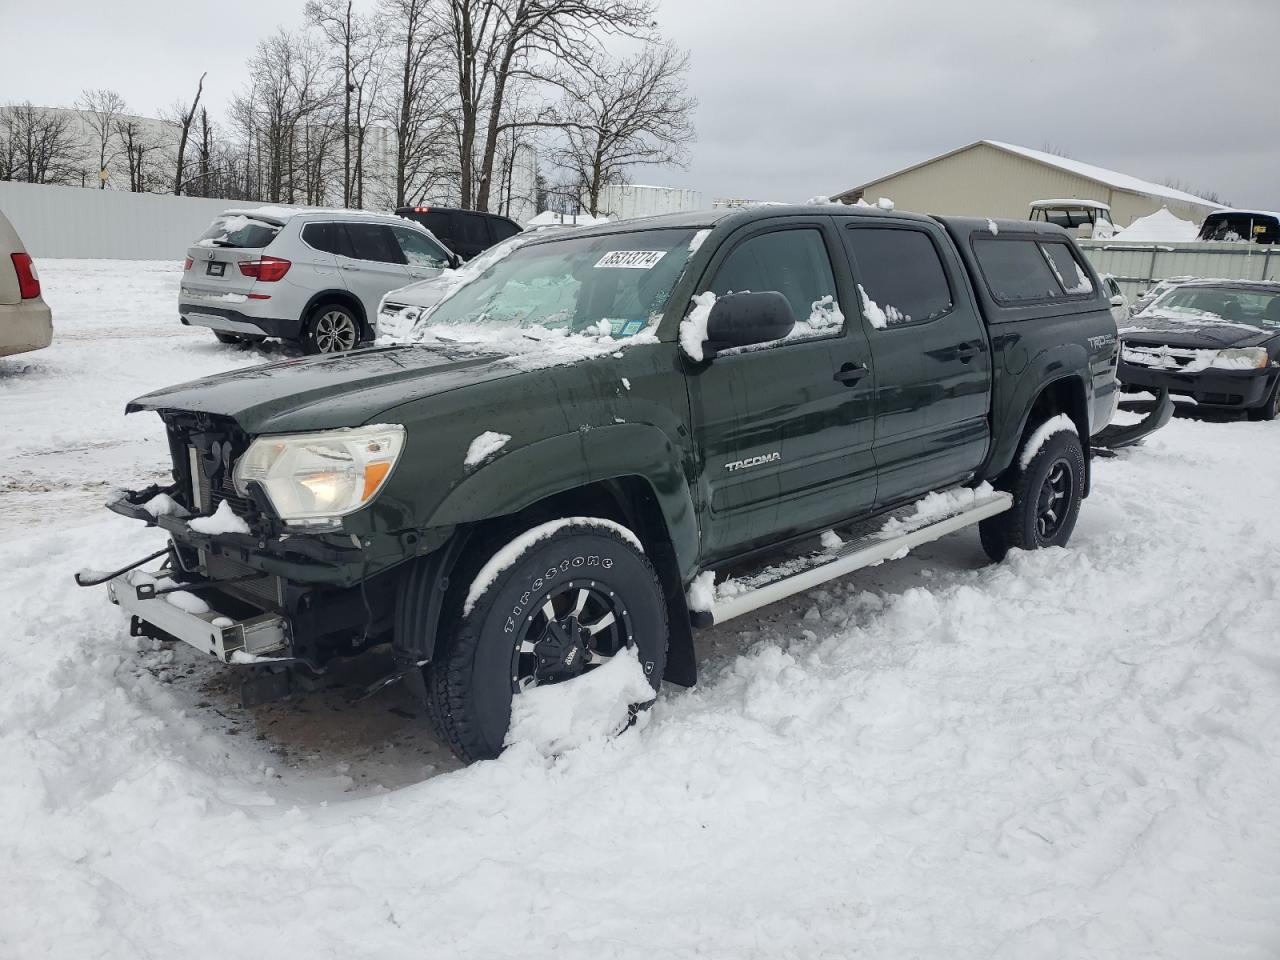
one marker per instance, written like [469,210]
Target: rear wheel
[1047,493]
[1270,408]
[333,328]
[554,609]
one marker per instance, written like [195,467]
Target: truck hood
[1198,333]
[317,393]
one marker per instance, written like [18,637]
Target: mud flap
[1115,436]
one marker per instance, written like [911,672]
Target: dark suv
[465,232]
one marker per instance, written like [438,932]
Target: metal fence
[83,222]
[1136,266]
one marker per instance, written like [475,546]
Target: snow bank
[1159,227]
[222,520]
[556,718]
[1069,754]
[513,551]
[485,446]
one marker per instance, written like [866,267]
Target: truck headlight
[315,478]
[1242,358]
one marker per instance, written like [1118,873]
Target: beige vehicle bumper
[25,326]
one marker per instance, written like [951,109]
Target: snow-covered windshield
[1229,304]
[613,285]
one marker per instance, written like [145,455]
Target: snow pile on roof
[556,718]
[549,218]
[1159,227]
[1121,181]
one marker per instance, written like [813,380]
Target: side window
[420,250]
[327,237]
[1073,277]
[1015,270]
[795,264]
[472,229]
[900,276]
[502,229]
[374,241]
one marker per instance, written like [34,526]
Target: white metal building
[625,201]
[993,179]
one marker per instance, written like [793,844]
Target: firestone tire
[1046,500]
[534,620]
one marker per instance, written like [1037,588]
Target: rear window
[1260,228]
[239,231]
[899,270]
[1016,271]
[1071,274]
[502,229]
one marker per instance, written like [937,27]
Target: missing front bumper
[267,637]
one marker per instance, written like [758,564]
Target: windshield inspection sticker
[631,259]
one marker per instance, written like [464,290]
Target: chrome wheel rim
[335,332]
[1054,500]
[578,626]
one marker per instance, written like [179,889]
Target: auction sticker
[631,259]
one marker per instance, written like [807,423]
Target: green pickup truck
[582,440]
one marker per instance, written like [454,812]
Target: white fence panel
[81,222]
[1136,266]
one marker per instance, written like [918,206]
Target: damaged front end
[254,590]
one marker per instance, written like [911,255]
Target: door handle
[966,352]
[850,373]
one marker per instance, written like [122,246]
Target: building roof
[1109,178]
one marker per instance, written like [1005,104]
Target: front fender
[519,479]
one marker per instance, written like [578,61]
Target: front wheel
[550,606]
[1047,493]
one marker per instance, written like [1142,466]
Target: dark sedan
[1216,341]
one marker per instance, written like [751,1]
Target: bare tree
[628,113]
[495,45]
[102,108]
[182,118]
[39,146]
[140,147]
[414,99]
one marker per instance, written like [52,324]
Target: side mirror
[744,319]
[455,261]
[1117,301]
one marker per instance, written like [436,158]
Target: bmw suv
[313,277]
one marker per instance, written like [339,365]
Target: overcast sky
[802,97]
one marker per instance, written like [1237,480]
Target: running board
[892,541]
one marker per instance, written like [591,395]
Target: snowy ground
[1073,754]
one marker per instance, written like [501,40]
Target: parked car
[403,309]
[313,277]
[1119,302]
[598,427]
[1248,226]
[1086,219]
[1154,293]
[25,321]
[1216,341]
[465,232]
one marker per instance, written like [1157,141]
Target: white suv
[25,322]
[311,276]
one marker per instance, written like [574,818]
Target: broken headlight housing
[314,479]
